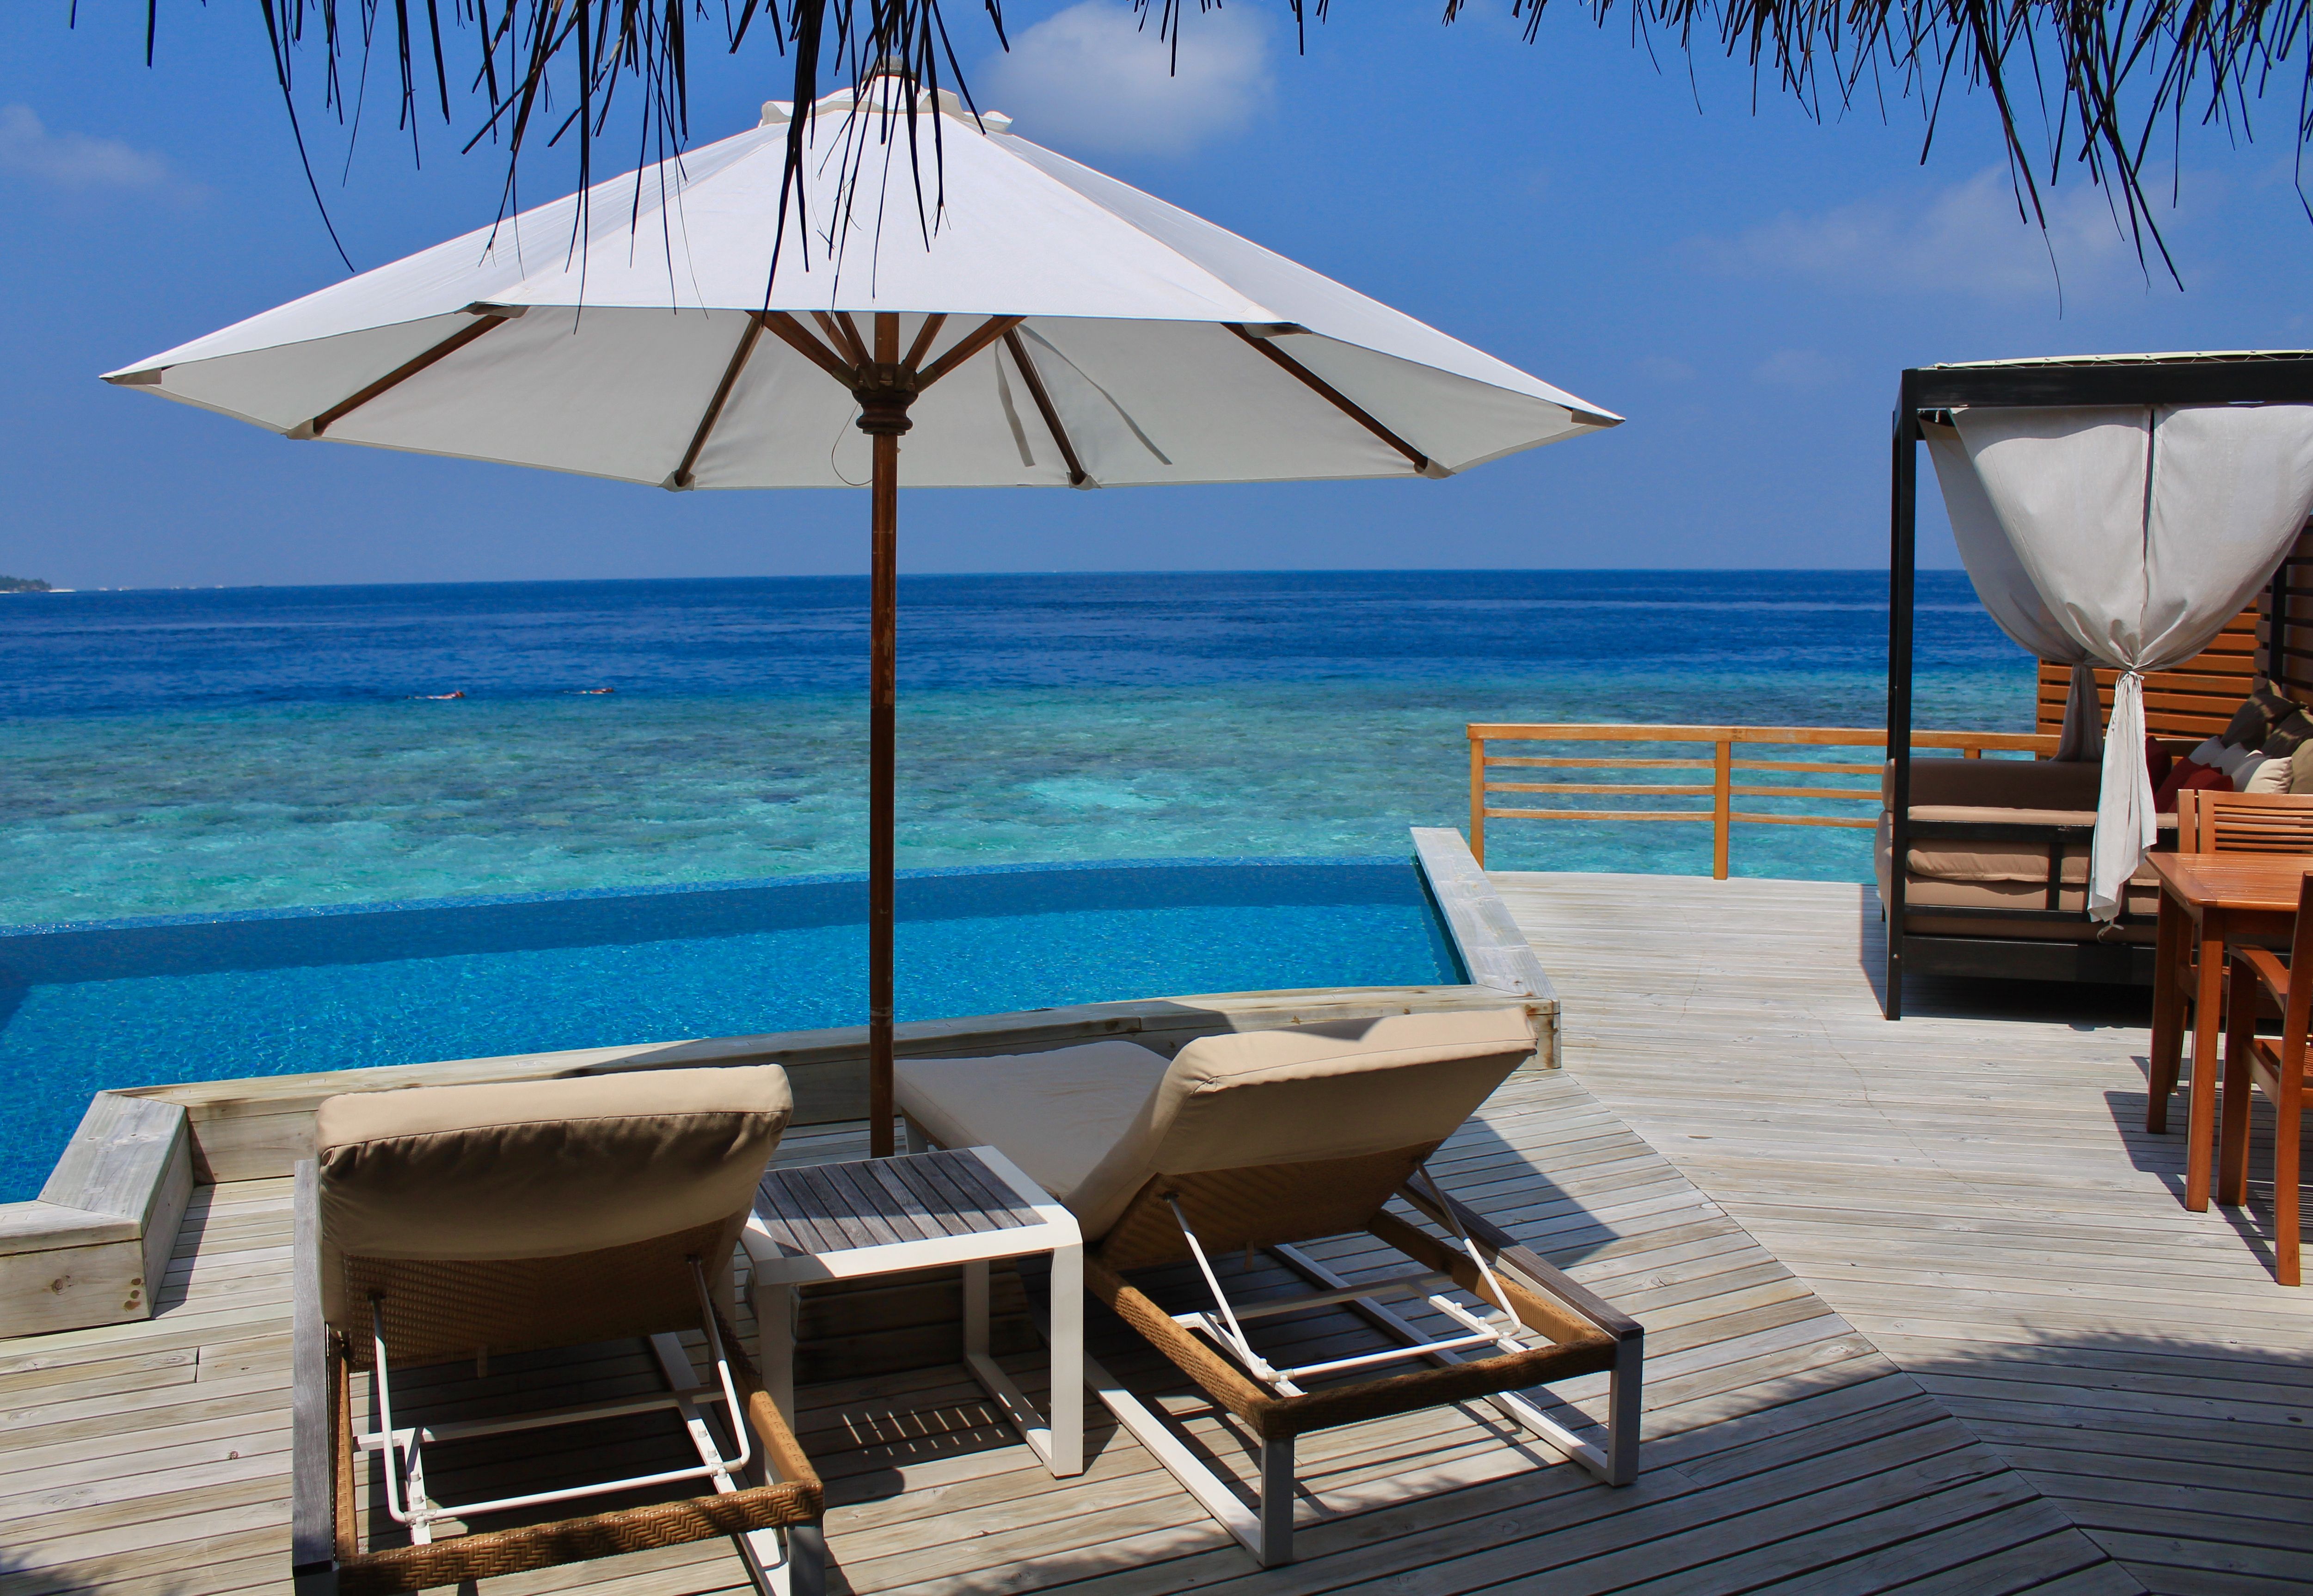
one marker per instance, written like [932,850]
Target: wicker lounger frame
[1271,1207]
[326,1555]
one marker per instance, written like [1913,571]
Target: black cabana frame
[2244,377]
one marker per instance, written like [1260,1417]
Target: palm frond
[2104,79]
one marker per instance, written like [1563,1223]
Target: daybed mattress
[2006,873]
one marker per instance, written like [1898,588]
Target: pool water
[142,1002]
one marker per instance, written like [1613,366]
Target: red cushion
[2158,761]
[2188,777]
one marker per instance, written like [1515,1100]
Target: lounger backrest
[538,1213]
[1315,1094]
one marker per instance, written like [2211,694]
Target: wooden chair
[2244,823]
[2225,822]
[2274,1065]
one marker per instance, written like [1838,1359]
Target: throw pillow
[2189,777]
[2269,774]
[2259,713]
[2158,761]
[2301,769]
[2288,733]
[2238,764]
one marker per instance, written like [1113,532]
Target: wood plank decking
[1785,1450]
[1974,1190]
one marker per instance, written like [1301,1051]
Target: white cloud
[1966,239]
[75,161]
[1091,77]
[1797,368]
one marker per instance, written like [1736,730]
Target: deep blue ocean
[187,752]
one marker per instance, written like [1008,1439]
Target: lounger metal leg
[1155,1434]
[798,1567]
[1277,1487]
[774,1342]
[806,1565]
[1624,1408]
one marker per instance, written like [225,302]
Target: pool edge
[120,1186]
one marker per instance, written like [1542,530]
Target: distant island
[23,585]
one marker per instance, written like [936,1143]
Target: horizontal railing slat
[1723,789]
[1681,789]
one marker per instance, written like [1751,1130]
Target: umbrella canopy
[1166,348]
[1046,326]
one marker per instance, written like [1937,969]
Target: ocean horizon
[194,751]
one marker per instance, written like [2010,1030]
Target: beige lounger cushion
[544,1169]
[1342,1089]
[1054,1114]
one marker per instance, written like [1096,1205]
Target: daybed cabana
[2135,522]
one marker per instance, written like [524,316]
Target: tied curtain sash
[2124,537]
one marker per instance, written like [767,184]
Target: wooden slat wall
[2198,698]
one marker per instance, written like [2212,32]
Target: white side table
[880,1216]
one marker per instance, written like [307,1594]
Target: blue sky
[1743,286]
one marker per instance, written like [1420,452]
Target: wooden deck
[1974,1190]
[2001,1325]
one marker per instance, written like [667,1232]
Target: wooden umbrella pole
[886,389]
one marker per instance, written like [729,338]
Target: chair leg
[1277,1485]
[2232,1125]
[2170,980]
[2287,1129]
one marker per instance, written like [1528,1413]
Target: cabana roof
[2165,358]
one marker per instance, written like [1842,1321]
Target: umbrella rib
[971,344]
[398,375]
[930,330]
[1076,475]
[683,477]
[1331,395]
[843,335]
[791,333]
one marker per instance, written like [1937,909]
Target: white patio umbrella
[1057,328]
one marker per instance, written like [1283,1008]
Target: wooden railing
[1723,768]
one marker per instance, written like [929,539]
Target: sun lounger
[1267,1139]
[466,1223]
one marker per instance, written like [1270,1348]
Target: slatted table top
[833,1221]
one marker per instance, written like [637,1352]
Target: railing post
[1722,804]
[1478,799]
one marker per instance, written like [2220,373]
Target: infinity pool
[141,1003]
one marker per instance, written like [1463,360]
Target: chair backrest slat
[2245,822]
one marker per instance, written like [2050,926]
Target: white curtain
[2126,538]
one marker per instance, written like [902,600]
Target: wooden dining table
[2208,900]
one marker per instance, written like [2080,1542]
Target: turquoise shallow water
[174,753]
[217,756]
